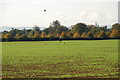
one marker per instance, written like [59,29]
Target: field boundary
[52,39]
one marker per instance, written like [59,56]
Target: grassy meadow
[54,59]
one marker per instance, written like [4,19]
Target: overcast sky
[18,13]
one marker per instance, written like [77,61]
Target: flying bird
[44,10]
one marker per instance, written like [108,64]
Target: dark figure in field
[60,39]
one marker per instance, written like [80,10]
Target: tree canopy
[56,30]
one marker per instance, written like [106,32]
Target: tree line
[56,31]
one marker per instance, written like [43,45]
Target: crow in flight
[44,10]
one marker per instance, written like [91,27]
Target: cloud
[88,17]
[93,16]
[59,13]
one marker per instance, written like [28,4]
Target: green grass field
[54,59]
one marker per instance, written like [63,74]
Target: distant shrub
[102,35]
[76,35]
[36,35]
[115,34]
[84,35]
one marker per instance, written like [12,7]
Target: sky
[19,13]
